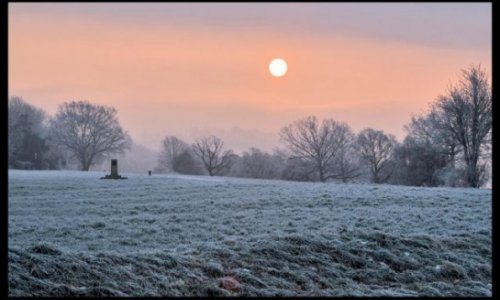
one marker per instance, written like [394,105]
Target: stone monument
[114,171]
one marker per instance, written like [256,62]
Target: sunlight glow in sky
[190,69]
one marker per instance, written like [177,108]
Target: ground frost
[71,234]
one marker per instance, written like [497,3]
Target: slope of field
[71,233]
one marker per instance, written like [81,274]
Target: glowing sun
[278,67]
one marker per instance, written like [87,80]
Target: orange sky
[191,79]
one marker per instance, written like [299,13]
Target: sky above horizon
[193,69]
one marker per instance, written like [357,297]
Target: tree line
[449,145]
[80,133]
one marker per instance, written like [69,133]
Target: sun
[278,67]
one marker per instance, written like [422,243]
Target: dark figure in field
[149,172]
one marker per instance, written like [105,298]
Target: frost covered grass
[71,233]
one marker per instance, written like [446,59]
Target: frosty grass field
[71,233]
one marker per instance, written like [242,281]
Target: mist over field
[139,159]
[178,235]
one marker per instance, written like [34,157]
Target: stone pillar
[114,167]
[114,171]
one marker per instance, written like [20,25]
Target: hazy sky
[192,69]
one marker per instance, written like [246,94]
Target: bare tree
[425,131]
[467,117]
[185,163]
[318,144]
[375,148]
[172,147]
[210,150]
[89,131]
[299,169]
[346,165]
[258,164]
[26,133]
[418,164]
